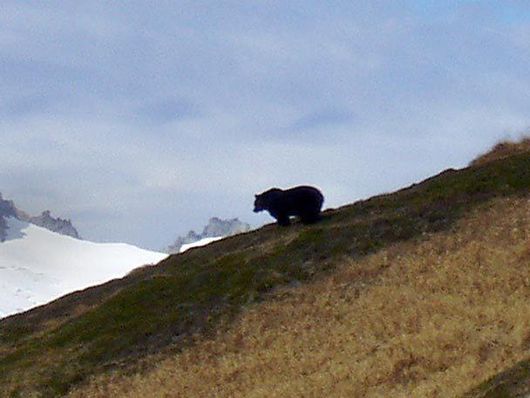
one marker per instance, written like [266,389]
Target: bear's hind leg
[310,218]
[284,221]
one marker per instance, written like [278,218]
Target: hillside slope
[421,319]
[188,299]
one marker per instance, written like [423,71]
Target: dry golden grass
[503,150]
[427,319]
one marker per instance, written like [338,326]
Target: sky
[140,120]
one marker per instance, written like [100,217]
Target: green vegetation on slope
[167,307]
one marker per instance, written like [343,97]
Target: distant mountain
[45,220]
[215,229]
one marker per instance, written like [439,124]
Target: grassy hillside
[188,307]
[417,319]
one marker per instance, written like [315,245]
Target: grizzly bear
[304,202]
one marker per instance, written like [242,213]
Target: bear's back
[305,193]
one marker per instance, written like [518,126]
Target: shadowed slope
[511,383]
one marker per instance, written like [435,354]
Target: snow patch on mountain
[37,265]
[202,242]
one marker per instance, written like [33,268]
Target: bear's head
[259,203]
[264,200]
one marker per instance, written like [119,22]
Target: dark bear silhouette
[303,201]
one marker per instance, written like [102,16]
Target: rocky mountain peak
[59,225]
[216,227]
[45,220]
[7,209]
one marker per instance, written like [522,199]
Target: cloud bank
[139,122]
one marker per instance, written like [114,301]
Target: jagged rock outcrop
[216,227]
[59,225]
[7,209]
[45,220]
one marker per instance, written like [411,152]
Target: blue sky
[141,120]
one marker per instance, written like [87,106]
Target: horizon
[140,123]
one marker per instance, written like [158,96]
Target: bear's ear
[256,195]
